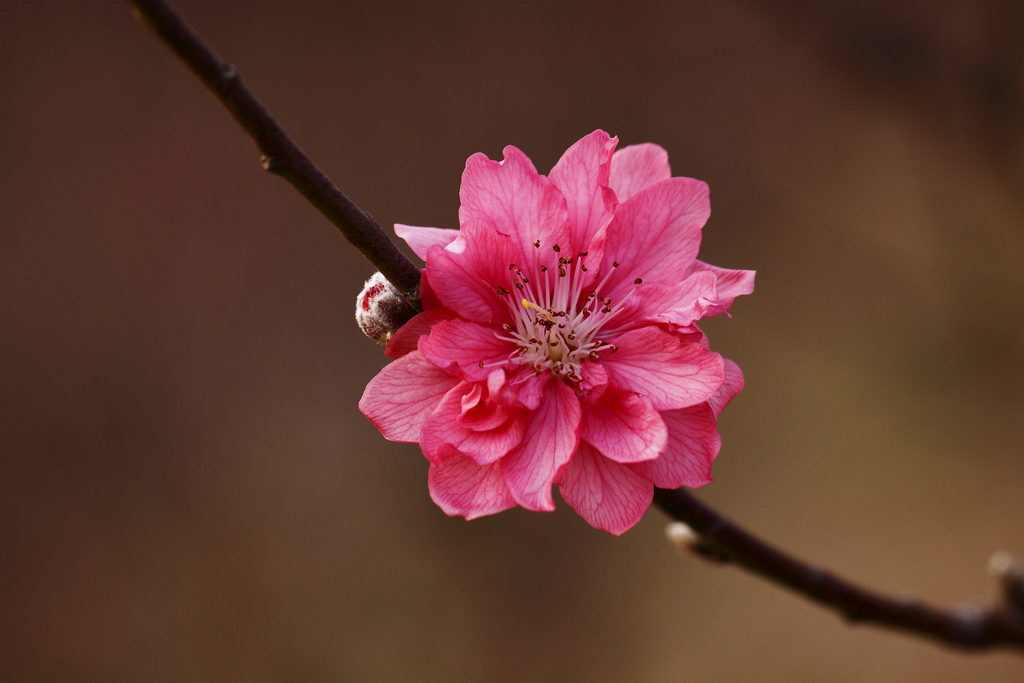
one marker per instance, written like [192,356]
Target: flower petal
[522,389]
[582,177]
[668,370]
[693,444]
[552,434]
[595,381]
[443,427]
[692,298]
[515,200]
[729,284]
[420,240]
[461,487]
[466,274]
[407,337]
[655,235]
[678,304]
[636,168]
[402,395]
[480,414]
[731,386]
[465,349]
[624,427]
[610,496]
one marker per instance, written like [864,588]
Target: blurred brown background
[188,491]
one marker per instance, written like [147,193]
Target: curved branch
[281,155]
[970,627]
[719,539]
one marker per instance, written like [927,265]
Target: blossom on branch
[558,343]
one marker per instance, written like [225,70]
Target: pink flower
[559,342]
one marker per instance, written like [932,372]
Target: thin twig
[719,538]
[281,155]
[971,627]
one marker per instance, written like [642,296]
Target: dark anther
[606,309]
[519,285]
[537,244]
[502,291]
[511,266]
[583,253]
[561,272]
[583,268]
[637,281]
[543,269]
[481,363]
[615,264]
[557,248]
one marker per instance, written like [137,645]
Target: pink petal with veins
[515,200]
[420,240]
[693,443]
[582,177]
[655,235]
[552,434]
[466,274]
[399,399]
[609,495]
[732,385]
[624,427]
[444,428]
[461,347]
[670,372]
[729,284]
[461,487]
[636,168]
[407,338]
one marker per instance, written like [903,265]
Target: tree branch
[720,539]
[281,155]
[969,627]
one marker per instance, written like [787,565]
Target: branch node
[971,627]
[1010,574]
[272,164]
[683,538]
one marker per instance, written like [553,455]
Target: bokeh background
[188,491]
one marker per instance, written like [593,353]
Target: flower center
[556,322]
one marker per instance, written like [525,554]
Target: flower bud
[380,309]
[681,536]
